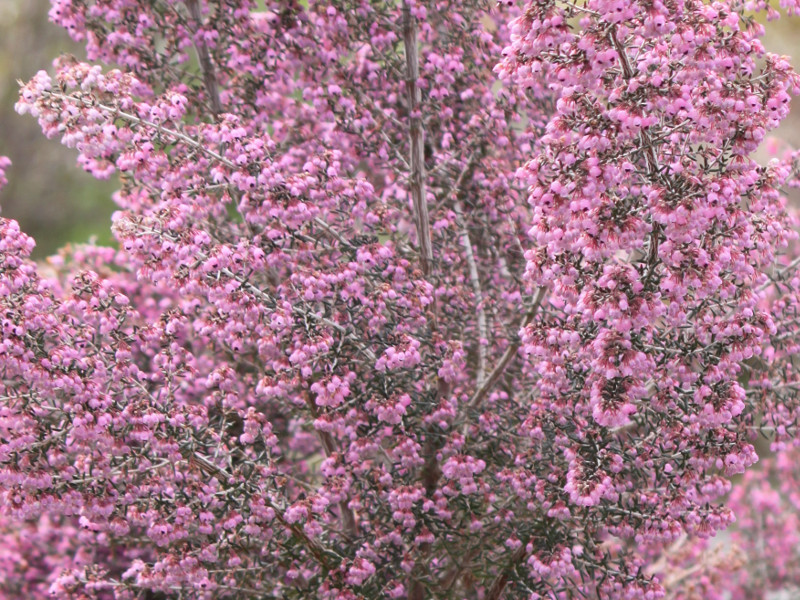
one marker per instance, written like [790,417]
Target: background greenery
[54,200]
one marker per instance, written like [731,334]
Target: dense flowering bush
[410,300]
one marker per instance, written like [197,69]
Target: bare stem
[430,471]
[475,281]
[508,355]
[417,139]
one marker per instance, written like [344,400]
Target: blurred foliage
[783,37]
[56,202]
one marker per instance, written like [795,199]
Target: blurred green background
[56,202]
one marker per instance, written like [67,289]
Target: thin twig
[781,275]
[116,112]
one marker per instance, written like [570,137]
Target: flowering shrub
[411,300]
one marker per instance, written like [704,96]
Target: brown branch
[500,583]
[417,141]
[209,75]
[455,573]
[349,523]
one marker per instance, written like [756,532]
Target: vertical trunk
[417,139]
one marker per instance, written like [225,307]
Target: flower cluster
[4,164]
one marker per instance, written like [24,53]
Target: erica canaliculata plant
[409,300]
